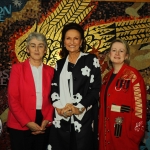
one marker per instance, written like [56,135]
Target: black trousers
[73,142]
[62,139]
[24,140]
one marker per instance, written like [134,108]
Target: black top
[70,66]
[107,86]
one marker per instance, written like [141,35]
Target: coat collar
[29,76]
[108,75]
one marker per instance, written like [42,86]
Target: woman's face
[72,41]
[117,53]
[36,49]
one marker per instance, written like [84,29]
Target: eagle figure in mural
[98,35]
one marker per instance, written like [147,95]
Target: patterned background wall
[102,21]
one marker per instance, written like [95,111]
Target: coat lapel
[28,77]
[44,78]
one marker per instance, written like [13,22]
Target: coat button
[74,78]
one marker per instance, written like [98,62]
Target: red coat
[125,98]
[22,95]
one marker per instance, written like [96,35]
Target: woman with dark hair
[30,109]
[123,102]
[75,94]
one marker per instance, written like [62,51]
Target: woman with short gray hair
[30,110]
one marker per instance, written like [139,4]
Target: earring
[80,46]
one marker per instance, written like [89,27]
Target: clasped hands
[69,110]
[36,129]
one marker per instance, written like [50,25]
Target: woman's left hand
[38,132]
[70,109]
[67,110]
[76,110]
[43,126]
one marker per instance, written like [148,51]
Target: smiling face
[72,41]
[36,49]
[118,53]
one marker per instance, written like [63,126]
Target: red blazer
[125,98]
[22,95]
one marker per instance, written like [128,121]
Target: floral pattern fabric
[86,85]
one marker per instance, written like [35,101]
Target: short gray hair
[38,36]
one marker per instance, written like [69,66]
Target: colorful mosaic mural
[102,21]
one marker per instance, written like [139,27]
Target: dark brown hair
[67,27]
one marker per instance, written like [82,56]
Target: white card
[115,108]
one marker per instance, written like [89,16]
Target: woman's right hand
[59,111]
[34,126]
[66,111]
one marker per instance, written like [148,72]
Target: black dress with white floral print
[86,78]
